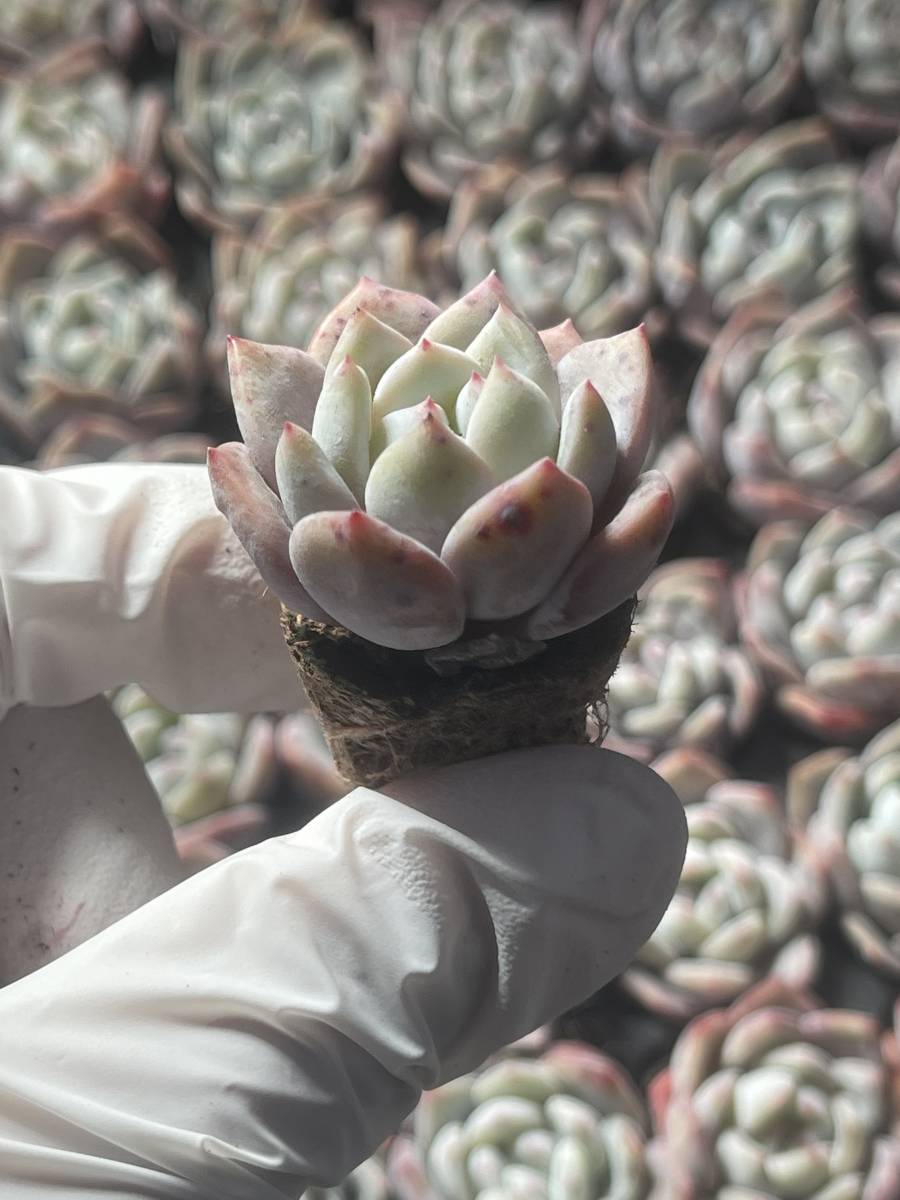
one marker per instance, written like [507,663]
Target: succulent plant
[566,1124]
[34,28]
[75,142]
[746,907]
[211,771]
[848,809]
[774,213]
[459,468]
[576,247]
[701,67]
[99,437]
[682,680]
[171,19]
[276,283]
[820,611]
[880,186]
[776,1098]
[487,81]
[800,410]
[367,1182]
[93,322]
[852,60]
[270,118]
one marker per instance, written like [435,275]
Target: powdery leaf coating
[307,479]
[587,441]
[512,423]
[405,313]
[342,423]
[381,584]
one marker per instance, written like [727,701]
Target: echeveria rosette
[31,29]
[278,282]
[262,119]
[567,247]
[444,467]
[682,680]
[702,67]
[774,213]
[847,809]
[567,1124]
[776,1098]
[746,908]
[172,19]
[76,142]
[487,81]
[94,323]
[820,611]
[880,188]
[798,411]
[852,60]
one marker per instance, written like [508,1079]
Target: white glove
[267,1022]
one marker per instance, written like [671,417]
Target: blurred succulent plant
[774,213]
[99,437]
[367,1182]
[172,19]
[852,60]
[745,907]
[681,680]
[211,771]
[34,28]
[94,323]
[487,81]
[75,143]
[801,409]
[497,485]
[567,1124]
[820,611]
[701,67]
[776,1098]
[880,186]
[264,119]
[848,810]
[278,282]
[567,247]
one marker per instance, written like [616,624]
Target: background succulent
[682,680]
[484,460]
[171,19]
[703,67]
[801,408]
[576,247]
[852,60]
[94,323]
[820,612]
[745,907]
[31,28]
[263,118]
[880,185]
[278,282]
[567,1124]
[75,142]
[779,1099]
[487,80]
[849,811]
[367,1182]
[100,437]
[778,212]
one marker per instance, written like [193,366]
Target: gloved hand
[267,1022]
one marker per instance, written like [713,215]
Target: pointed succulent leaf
[371,344]
[259,523]
[507,336]
[621,369]
[513,423]
[402,420]
[380,584]
[342,421]
[426,479]
[307,480]
[406,312]
[270,385]
[466,401]
[560,339]
[613,564]
[429,369]
[510,547]
[587,441]
[461,323]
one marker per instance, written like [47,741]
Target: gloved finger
[83,839]
[121,573]
[268,1022]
